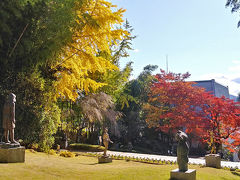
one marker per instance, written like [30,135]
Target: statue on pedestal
[182,159]
[106,141]
[10,151]
[9,119]
[182,151]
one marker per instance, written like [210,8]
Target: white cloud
[235,67]
[236,62]
[226,80]
[136,50]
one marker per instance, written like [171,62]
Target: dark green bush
[86,147]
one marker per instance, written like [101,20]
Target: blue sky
[199,36]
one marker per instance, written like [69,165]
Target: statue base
[213,160]
[4,145]
[12,154]
[104,159]
[190,174]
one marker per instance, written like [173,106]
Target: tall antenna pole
[167,62]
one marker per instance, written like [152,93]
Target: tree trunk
[218,147]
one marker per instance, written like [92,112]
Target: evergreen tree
[132,123]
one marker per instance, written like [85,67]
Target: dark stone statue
[9,118]
[182,151]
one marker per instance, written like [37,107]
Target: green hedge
[86,147]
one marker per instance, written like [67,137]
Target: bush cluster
[67,154]
[86,147]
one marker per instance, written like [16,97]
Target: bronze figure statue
[9,118]
[106,141]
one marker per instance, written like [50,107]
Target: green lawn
[43,166]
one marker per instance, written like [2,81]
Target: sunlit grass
[43,166]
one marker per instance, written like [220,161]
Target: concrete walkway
[200,161]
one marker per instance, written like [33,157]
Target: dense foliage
[32,36]
[132,124]
[62,57]
[51,49]
[173,103]
[223,122]
[176,104]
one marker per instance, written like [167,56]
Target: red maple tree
[176,104]
[222,117]
[173,103]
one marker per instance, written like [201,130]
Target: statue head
[105,130]
[181,136]
[11,98]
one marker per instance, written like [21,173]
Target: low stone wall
[213,160]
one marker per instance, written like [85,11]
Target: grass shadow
[88,164]
[236,174]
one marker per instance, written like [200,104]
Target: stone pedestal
[104,159]
[190,174]
[213,160]
[12,155]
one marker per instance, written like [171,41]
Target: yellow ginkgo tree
[96,29]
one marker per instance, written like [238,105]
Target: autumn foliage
[96,29]
[173,103]
[176,104]
[223,122]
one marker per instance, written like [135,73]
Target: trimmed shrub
[86,147]
[51,152]
[67,154]
[34,146]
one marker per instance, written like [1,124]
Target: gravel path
[200,161]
